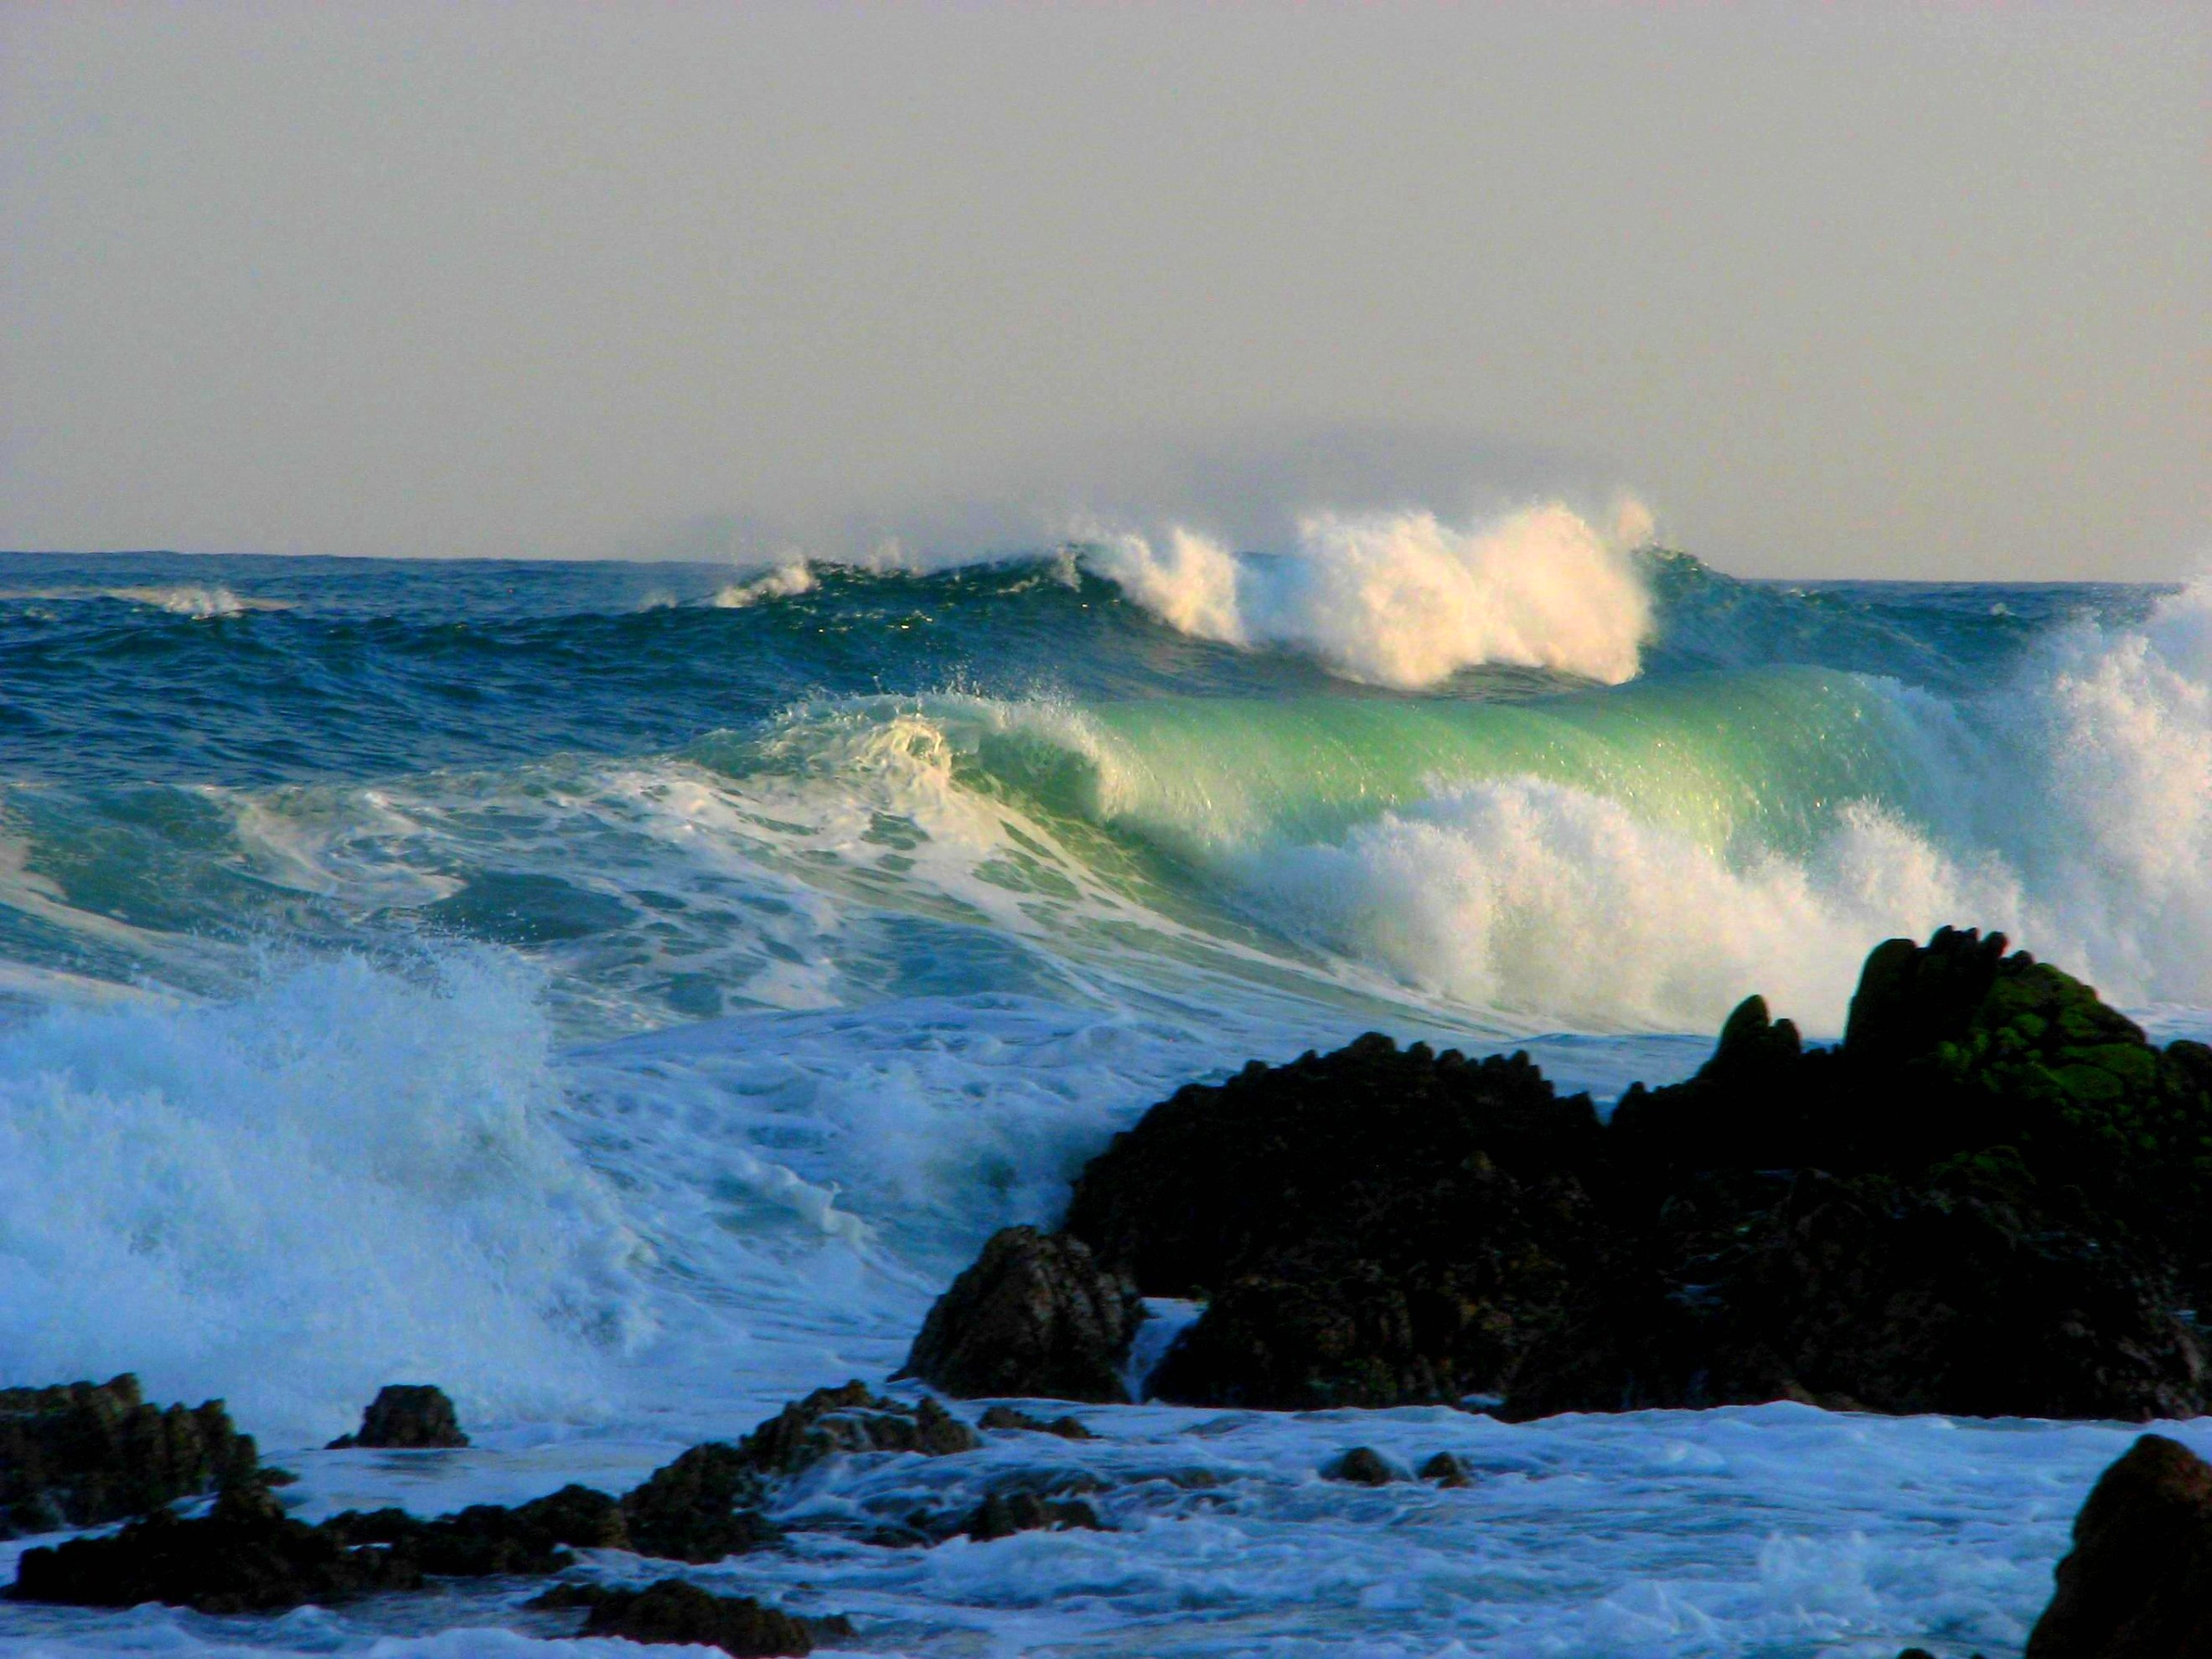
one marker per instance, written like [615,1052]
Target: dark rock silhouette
[1991,1199]
[673,1611]
[407,1416]
[81,1454]
[1035,1315]
[2138,1584]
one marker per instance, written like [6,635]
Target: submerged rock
[1005,1418]
[1036,1317]
[707,1504]
[81,1454]
[1004,1514]
[672,1611]
[407,1416]
[1445,1470]
[2138,1584]
[1363,1465]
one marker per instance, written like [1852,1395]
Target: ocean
[625,994]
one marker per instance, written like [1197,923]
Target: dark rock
[1361,1466]
[1445,1470]
[407,1416]
[531,1538]
[706,1504]
[83,1454]
[1380,1226]
[1004,1514]
[1005,1418]
[673,1611]
[2138,1584]
[1035,1316]
[246,1557]
[1863,1294]
[1994,1197]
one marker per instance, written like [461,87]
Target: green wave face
[1761,757]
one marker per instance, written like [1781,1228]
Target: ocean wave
[1403,599]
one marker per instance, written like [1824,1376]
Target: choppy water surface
[625,994]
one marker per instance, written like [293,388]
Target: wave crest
[1404,599]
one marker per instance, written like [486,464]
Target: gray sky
[1837,291]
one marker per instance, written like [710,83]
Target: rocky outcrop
[247,1556]
[1035,1315]
[2138,1584]
[83,1452]
[1992,1198]
[408,1417]
[707,1504]
[674,1612]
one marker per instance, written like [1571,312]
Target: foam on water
[345,1176]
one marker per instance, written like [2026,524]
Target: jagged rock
[706,1504]
[1363,1465]
[1445,1470]
[81,1454]
[2138,1584]
[1035,1316]
[1006,1417]
[1002,1515]
[407,1416]
[672,1611]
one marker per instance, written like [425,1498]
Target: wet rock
[1035,1316]
[1361,1466]
[1004,1514]
[2138,1584]
[407,1416]
[1006,1418]
[81,1454]
[246,1557]
[484,1539]
[674,1612]
[1445,1470]
[707,1504]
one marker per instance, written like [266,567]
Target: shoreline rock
[83,1453]
[1993,1198]
[1036,1316]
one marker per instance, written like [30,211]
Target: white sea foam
[343,1180]
[1403,598]
[784,582]
[1528,895]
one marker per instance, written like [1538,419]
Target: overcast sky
[1836,290]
